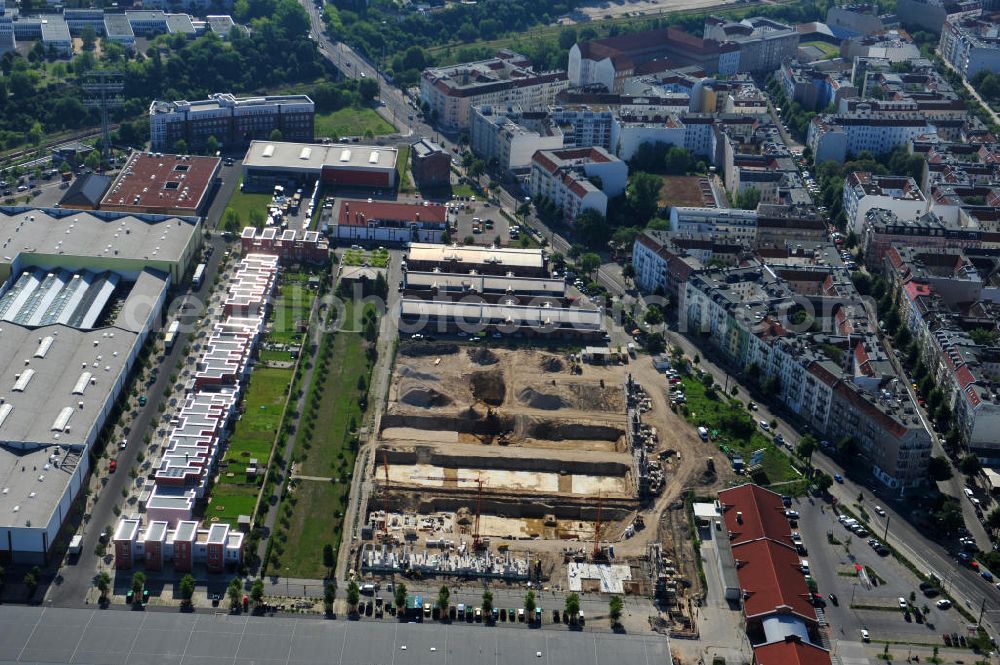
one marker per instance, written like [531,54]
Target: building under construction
[490,458]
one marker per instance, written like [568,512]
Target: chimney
[739,517]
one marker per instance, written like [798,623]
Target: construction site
[526,465]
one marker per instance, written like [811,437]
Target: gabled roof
[772,580]
[85,192]
[791,653]
[753,513]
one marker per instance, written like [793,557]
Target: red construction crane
[597,528]
[385,495]
[479,502]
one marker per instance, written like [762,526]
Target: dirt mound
[552,364]
[425,397]
[482,356]
[489,387]
[416,374]
[417,349]
[536,400]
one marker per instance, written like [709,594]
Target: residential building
[218,546]
[971,44]
[577,179]
[742,312]
[233,121]
[290,246]
[731,223]
[506,80]
[431,257]
[893,45]
[864,191]
[763,43]
[532,321]
[882,229]
[814,89]
[509,137]
[7,39]
[838,136]
[931,15]
[856,19]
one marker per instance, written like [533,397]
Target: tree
[444,597]
[847,446]
[354,595]
[747,199]
[628,272]
[329,594]
[328,559]
[806,448]
[592,228]
[231,220]
[399,595]
[615,609]
[276,135]
[589,263]
[477,168]
[643,195]
[257,592]
[939,468]
[567,37]
[187,585]
[487,601]
[993,520]
[103,584]
[655,344]
[573,606]
[181,147]
[969,464]
[138,583]
[678,161]
[211,146]
[89,37]
[30,581]
[653,316]
[257,218]
[368,89]
[235,592]
[822,481]
[529,605]
[93,161]
[65,167]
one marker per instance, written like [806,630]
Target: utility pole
[982,610]
[885,534]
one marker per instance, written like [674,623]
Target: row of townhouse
[747,315]
[165,530]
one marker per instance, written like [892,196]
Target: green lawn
[462,190]
[403,167]
[738,433]
[255,431]
[293,306]
[378,258]
[829,50]
[323,449]
[351,121]
[243,203]
[316,521]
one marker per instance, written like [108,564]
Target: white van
[703,433]
[804,566]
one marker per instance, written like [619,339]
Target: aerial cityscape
[583,332]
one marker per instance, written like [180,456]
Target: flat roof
[485,283]
[180,23]
[509,256]
[166,182]
[305,641]
[112,236]
[521,315]
[41,377]
[315,157]
[117,25]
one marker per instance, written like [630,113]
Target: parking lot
[833,568]
[462,219]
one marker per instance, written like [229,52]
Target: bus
[171,336]
[199,274]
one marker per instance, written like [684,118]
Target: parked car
[943,604]
[865,637]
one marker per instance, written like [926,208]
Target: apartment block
[971,44]
[509,137]
[567,178]
[838,136]
[897,194]
[506,80]
[763,43]
[233,121]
